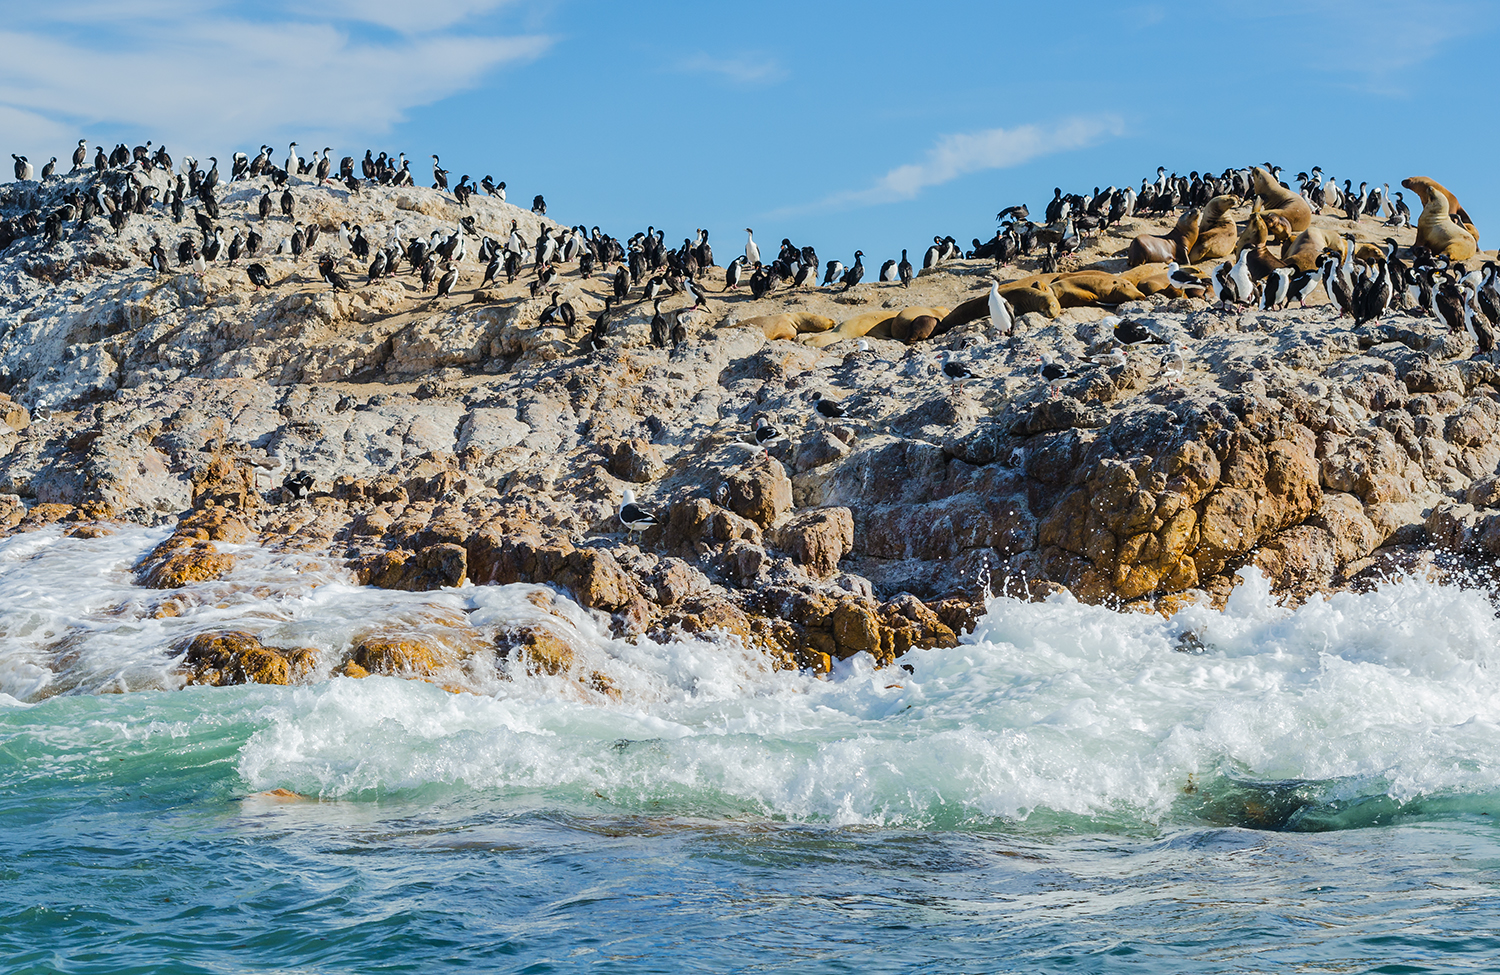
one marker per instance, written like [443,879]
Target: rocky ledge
[433,443]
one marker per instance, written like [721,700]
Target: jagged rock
[538,648]
[636,460]
[434,567]
[762,493]
[223,659]
[396,656]
[818,539]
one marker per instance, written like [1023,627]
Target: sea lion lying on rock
[1027,295]
[916,324]
[1279,200]
[852,328]
[1437,228]
[789,325]
[1094,288]
[1216,231]
[1173,246]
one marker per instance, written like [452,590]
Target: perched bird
[766,434]
[888,272]
[854,274]
[827,407]
[633,516]
[446,283]
[330,273]
[752,251]
[661,331]
[835,272]
[1132,332]
[1001,319]
[601,326]
[956,371]
[904,270]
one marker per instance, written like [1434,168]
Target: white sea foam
[1055,707]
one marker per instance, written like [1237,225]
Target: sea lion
[1037,296]
[1172,246]
[1094,288]
[1033,296]
[1277,199]
[1216,231]
[1261,261]
[1425,188]
[1303,253]
[1437,230]
[1277,227]
[875,323]
[916,324]
[773,326]
[788,325]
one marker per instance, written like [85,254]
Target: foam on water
[1345,711]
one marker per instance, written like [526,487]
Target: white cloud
[746,70]
[972,152]
[205,79]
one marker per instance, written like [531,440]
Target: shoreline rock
[461,441]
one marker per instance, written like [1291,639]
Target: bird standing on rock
[633,516]
[330,274]
[856,273]
[661,331]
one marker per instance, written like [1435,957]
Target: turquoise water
[1069,791]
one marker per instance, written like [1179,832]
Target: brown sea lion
[876,323]
[1425,188]
[1172,246]
[916,324]
[788,325]
[1437,230]
[1253,238]
[1094,288]
[1023,298]
[1279,200]
[1216,231]
[1277,227]
[1303,253]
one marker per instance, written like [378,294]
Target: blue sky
[872,125]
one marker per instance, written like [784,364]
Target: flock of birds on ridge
[1363,285]
[1356,284]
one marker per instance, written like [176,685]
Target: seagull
[1109,360]
[957,372]
[766,434]
[633,516]
[1173,364]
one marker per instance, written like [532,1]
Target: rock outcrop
[438,443]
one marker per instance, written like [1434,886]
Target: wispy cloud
[745,70]
[971,152]
[209,73]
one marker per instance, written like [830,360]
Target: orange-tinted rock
[540,650]
[761,492]
[434,567]
[398,656]
[636,460]
[818,539]
[222,659]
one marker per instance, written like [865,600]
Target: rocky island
[831,470]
